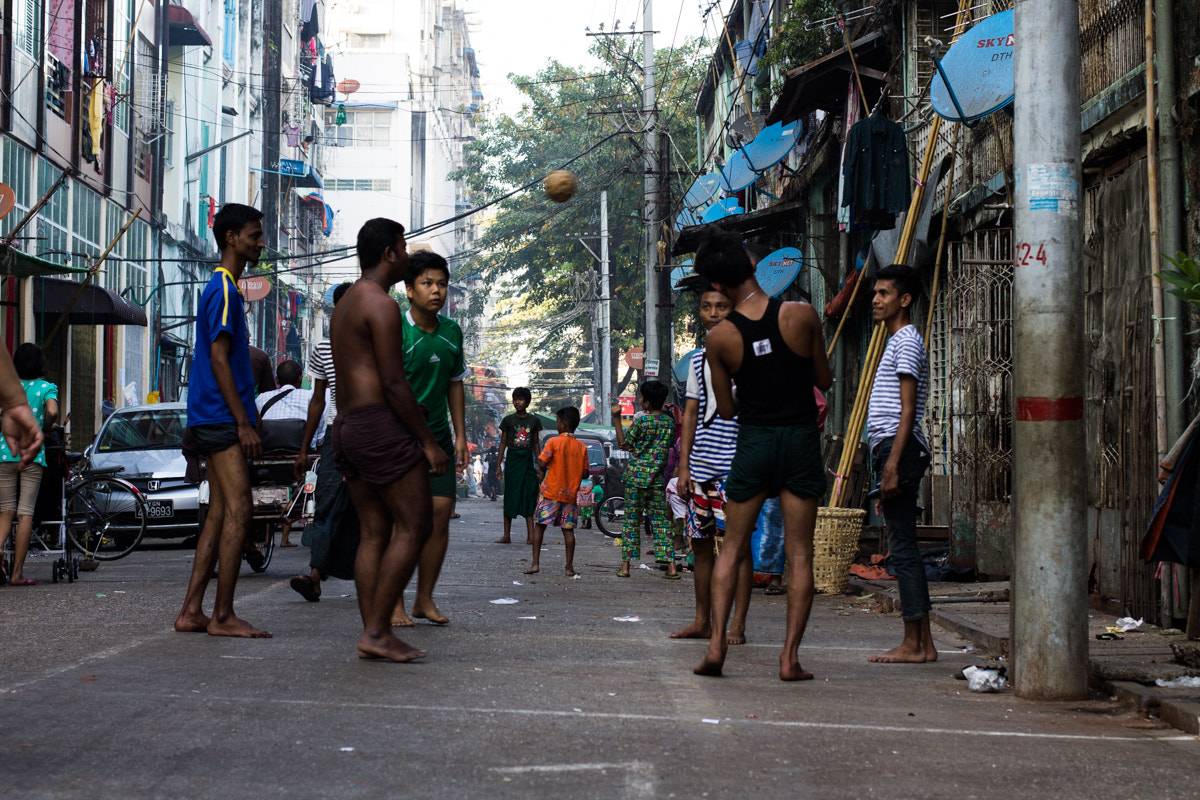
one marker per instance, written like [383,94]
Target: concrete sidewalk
[1125,669]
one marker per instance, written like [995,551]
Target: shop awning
[184,29]
[22,265]
[94,306]
[822,84]
[765,220]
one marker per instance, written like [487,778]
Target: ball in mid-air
[560,185]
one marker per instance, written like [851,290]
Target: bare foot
[287,544]
[710,668]
[192,623]
[388,647]
[236,627]
[791,671]
[532,571]
[697,630]
[735,638]
[430,613]
[401,619]
[571,572]
[505,540]
[902,655]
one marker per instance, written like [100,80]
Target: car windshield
[143,430]
[595,455]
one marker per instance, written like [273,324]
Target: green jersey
[431,362]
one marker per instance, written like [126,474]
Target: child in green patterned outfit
[649,439]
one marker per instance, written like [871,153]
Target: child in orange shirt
[562,466]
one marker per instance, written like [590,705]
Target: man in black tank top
[775,352]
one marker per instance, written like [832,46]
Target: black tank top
[774,385]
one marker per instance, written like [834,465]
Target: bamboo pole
[937,264]
[854,65]
[1156,289]
[62,318]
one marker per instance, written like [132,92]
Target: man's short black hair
[231,219]
[289,373]
[340,291]
[904,277]
[721,258]
[523,391]
[375,236]
[569,416]
[29,361]
[419,263]
[655,393]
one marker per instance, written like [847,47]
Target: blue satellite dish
[702,190]
[737,173]
[327,298]
[680,370]
[684,270]
[772,145]
[722,209]
[979,67]
[777,271]
[686,219]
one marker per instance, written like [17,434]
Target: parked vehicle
[147,441]
[599,468]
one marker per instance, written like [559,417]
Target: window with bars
[363,128]
[359,184]
[137,249]
[146,108]
[27,27]
[86,226]
[229,50]
[114,217]
[52,234]
[18,174]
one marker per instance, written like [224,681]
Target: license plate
[159,509]
[270,495]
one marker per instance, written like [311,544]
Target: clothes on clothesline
[876,171]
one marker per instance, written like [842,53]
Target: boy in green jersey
[435,366]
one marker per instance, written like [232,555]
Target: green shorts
[446,484]
[776,458]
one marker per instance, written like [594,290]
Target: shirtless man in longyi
[382,444]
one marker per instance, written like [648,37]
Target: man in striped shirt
[334,513]
[707,447]
[900,454]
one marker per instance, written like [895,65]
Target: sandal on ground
[622,574]
[774,590]
[671,577]
[24,582]
[304,587]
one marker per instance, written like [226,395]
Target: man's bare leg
[569,543]
[393,530]
[192,618]
[702,550]
[535,563]
[529,530]
[916,648]
[799,522]
[741,603]
[507,537]
[228,468]
[739,522]
[433,554]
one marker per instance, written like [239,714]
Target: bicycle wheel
[262,543]
[610,515]
[106,518]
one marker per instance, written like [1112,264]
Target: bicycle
[610,515]
[105,516]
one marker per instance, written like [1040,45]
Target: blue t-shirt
[37,391]
[220,311]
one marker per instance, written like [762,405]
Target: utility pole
[650,165]
[1049,609]
[606,367]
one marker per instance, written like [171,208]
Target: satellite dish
[737,173]
[686,219]
[683,366]
[744,129]
[772,145]
[777,271]
[703,190]
[679,273]
[722,209]
[979,67]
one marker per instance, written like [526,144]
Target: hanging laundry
[96,114]
[212,210]
[877,178]
[292,132]
[308,13]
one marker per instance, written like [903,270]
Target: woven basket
[835,544]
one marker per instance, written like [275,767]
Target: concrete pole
[650,215]
[1049,608]
[606,376]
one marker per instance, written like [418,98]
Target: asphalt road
[548,696]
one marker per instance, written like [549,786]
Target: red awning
[184,29]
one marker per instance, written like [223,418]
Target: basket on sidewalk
[835,544]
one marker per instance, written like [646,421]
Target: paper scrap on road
[643,566]
[517,583]
[1184,682]
[504,601]
[628,619]
[1125,624]
[526,617]
[711,721]
[347,749]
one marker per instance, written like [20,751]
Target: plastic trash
[517,583]
[643,566]
[1184,682]
[504,601]
[985,680]
[1125,624]
[634,618]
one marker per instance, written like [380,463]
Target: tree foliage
[529,269]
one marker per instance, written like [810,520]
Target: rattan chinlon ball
[560,185]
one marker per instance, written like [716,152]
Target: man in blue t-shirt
[221,419]
[900,454]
